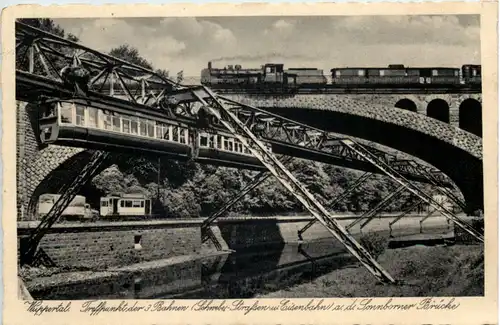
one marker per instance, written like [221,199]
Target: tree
[49,26]
[131,55]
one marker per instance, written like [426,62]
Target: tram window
[338,74]
[122,204]
[92,116]
[133,127]
[151,130]
[474,72]
[142,204]
[126,126]
[143,128]
[230,146]
[104,204]
[80,115]
[66,112]
[137,204]
[382,73]
[226,144]
[434,73]
[128,204]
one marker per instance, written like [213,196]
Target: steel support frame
[421,221]
[402,215]
[395,176]
[369,215]
[363,178]
[259,150]
[429,175]
[68,193]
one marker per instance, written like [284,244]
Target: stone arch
[455,152]
[439,109]
[53,181]
[470,116]
[406,104]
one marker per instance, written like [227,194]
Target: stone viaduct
[44,169]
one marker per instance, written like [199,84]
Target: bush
[374,243]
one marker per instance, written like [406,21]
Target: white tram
[125,205]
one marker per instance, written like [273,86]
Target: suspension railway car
[73,123]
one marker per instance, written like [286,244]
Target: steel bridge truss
[45,56]
[252,128]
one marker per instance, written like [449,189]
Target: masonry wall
[104,245]
[114,244]
[263,233]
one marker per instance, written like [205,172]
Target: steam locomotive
[274,76]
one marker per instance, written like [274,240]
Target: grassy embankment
[422,271]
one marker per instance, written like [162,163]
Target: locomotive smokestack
[209,65]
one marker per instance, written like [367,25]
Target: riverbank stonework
[105,244]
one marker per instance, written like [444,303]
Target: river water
[235,275]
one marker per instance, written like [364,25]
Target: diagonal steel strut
[444,191]
[68,194]
[363,178]
[370,214]
[363,152]
[403,214]
[257,148]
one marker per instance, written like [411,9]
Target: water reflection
[237,275]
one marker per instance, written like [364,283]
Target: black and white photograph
[250,157]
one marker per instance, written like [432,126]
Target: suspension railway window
[126,125]
[66,110]
[93,117]
[134,127]
[116,124]
[80,115]
[107,122]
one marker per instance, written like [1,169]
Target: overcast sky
[323,42]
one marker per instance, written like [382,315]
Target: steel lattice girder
[258,149]
[395,176]
[167,97]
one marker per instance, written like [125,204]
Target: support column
[363,178]
[68,194]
